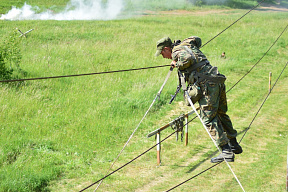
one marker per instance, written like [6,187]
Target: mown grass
[63,134]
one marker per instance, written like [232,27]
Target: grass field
[63,134]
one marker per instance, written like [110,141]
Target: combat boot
[235,147]
[226,153]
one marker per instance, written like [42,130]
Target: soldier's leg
[226,122]
[209,104]
[224,118]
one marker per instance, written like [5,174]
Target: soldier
[205,85]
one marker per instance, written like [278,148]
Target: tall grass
[62,134]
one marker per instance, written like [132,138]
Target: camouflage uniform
[213,102]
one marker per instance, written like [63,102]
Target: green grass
[63,134]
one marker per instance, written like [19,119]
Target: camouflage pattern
[213,111]
[193,40]
[186,55]
[213,102]
[164,42]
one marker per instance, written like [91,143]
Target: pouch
[194,92]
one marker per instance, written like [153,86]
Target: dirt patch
[185,12]
[263,7]
[272,8]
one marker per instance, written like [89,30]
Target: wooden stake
[158,148]
[270,76]
[186,130]
[287,171]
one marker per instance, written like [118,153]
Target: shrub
[10,56]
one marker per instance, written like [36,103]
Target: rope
[86,74]
[134,158]
[166,78]
[161,142]
[233,23]
[193,107]
[77,75]
[258,60]
[196,116]
[158,95]
[263,103]
[239,141]
[194,176]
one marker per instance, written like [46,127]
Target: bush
[5,73]
[10,56]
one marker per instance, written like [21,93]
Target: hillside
[63,134]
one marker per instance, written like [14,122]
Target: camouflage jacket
[187,55]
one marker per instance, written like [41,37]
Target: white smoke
[75,10]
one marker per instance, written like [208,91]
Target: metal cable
[98,73]
[162,86]
[239,141]
[157,96]
[258,60]
[263,103]
[194,176]
[227,91]
[260,107]
[62,76]
[233,23]
[77,75]
[166,139]
[134,158]
[206,129]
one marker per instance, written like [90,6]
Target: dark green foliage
[5,73]
[10,56]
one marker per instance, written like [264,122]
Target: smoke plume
[75,10]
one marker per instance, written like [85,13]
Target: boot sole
[237,152]
[220,160]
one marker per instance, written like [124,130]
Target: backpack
[193,40]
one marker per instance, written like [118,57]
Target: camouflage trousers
[213,105]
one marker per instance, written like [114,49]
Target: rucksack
[193,40]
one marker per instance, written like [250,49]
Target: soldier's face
[166,53]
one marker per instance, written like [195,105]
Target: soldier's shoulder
[179,48]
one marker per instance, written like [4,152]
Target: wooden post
[158,148]
[186,130]
[270,76]
[287,171]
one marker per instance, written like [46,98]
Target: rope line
[233,23]
[227,91]
[239,141]
[258,60]
[77,75]
[263,103]
[206,129]
[135,158]
[158,95]
[86,74]
[194,176]
[196,116]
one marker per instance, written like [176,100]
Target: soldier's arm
[182,58]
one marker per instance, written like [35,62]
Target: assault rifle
[177,90]
[175,94]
